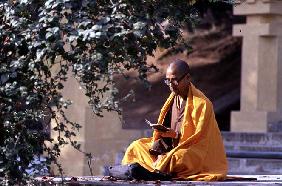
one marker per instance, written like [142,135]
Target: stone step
[107,181]
[274,127]
[254,166]
[253,153]
[234,138]
[253,147]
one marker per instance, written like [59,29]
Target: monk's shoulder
[201,100]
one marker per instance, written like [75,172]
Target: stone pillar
[103,137]
[261,79]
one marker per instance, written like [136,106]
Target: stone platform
[99,180]
[253,153]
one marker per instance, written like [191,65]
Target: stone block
[248,121]
[254,166]
[73,162]
[258,7]
[105,153]
[233,163]
[252,148]
[103,137]
[260,29]
[269,165]
[242,138]
[274,127]
[244,121]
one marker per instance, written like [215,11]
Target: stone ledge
[266,29]
[256,138]
[98,180]
[258,7]
[250,166]
[254,148]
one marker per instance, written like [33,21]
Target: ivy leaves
[42,40]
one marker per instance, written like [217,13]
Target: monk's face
[177,81]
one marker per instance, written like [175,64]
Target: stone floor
[99,180]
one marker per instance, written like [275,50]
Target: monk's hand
[156,135]
[168,134]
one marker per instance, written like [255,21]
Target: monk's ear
[189,77]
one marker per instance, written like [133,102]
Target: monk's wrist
[176,135]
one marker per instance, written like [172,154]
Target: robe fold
[200,153]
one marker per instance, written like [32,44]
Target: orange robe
[200,154]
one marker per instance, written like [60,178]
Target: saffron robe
[200,153]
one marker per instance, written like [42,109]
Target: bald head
[179,68]
[178,77]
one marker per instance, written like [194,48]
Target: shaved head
[179,67]
[178,77]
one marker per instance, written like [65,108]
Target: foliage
[42,41]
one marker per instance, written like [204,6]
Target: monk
[197,151]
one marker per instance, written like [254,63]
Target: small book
[157,126]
